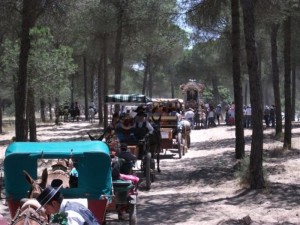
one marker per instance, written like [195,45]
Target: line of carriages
[104,193]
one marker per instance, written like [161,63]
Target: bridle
[28,216]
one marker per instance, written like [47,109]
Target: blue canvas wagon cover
[94,166]
[127,98]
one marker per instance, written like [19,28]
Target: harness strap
[28,215]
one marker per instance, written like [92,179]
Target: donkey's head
[37,186]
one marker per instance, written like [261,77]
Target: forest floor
[202,187]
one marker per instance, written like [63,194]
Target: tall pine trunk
[256,157]
[50,111]
[146,72]
[237,83]
[287,83]
[43,105]
[215,90]
[151,74]
[1,116]
[31,115]
[275,77]
[105,78]
[100,89]
[293,90]
[118,56]
[86,108]
[21,85]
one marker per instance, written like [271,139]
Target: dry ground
[201,188]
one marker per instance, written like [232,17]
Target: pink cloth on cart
[3,221]
[134,179]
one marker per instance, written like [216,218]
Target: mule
[75,113]
[55,177]
[37,186]
[62,113]
[30,213]
[155,141]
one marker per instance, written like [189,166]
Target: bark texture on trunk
[275,77]
[237,82]
[101,95]
[146,72]
[43,105]
[105,78]
[86,108]
[21,85]
[287,84]
[118,55]
[293,91]
[1,116]
[32,9]
[31,115]
[256,157]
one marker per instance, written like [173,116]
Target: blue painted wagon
[93,163]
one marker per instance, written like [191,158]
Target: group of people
[131,127]
[208,116]
[269,115]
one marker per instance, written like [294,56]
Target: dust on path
[201,188]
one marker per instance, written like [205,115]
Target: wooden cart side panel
[98,208]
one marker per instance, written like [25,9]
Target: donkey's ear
[28,177]
[44,178]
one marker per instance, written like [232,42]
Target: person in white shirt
[248,114]
[77,214]
[189,115]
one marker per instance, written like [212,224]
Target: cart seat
[122,184]
[121,190]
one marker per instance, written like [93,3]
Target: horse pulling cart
[139,147]
[92,161]
[174,134]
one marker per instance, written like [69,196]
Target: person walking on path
[248,115]
[211,117]
[218,113]
[272,115]
[189,115]
[267,116]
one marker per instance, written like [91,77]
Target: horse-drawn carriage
[175,134]
[144,148]
[192,94]
[95,186]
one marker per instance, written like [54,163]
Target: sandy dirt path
[201,187]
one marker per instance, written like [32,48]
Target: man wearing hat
[142,126]
[189,115]
[77,214]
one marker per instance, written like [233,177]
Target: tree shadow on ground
[183,205]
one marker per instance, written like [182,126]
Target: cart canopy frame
[93,165]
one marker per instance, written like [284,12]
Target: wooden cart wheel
[132,214]
[148,170]
[179,142]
